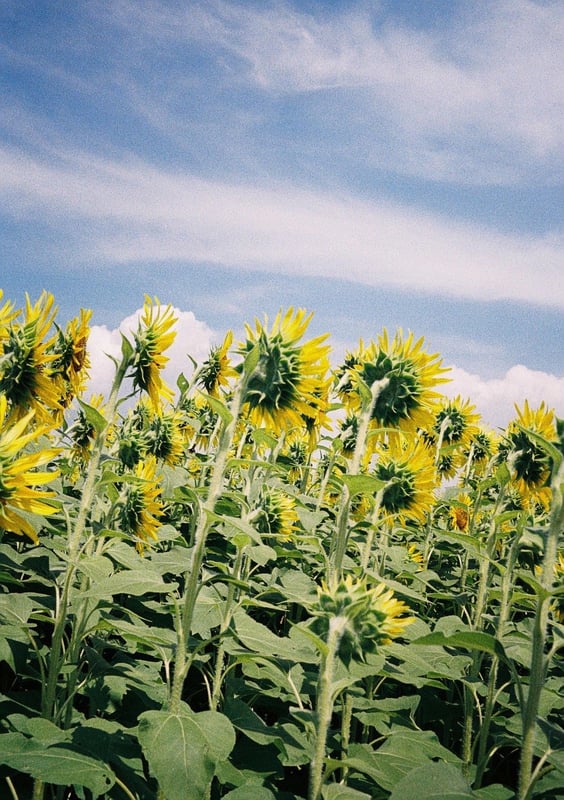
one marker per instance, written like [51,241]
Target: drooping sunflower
[216,371]
[276,514]
[455,422]
[82,431]
[343,375]
[284,387]
[460,512]
[141,507]
[407,400]
[72,361]
[454,426]
[482,448]
[164,437]
[19,475]
[408,471]
[295,454]
[374,616]
[529,464]
[27,377]
[154,335]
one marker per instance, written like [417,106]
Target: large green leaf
[337,791]
[15,608]
[183,750]
[136,582]
[59,764]
[249,791]
[259,639]
[468,640]
[397,757]
[433,782]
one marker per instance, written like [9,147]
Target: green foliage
[204,654]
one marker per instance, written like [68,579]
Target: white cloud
[495,398]
[193,339]
[479,99]
[143,213]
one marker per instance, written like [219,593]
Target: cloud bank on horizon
[410,147]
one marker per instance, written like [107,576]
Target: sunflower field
[281,578]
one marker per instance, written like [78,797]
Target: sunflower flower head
[216,371]
[283,387]
[410,479]
[72,361]
[28,379]
[295,454]
[529,465]
[460,512]
[154,335]
[164,437]
[20,476]
[455,422]
[407,397]
[276,514]
[372,615]
[141,507]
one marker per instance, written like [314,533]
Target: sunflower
[276,514]
[408,472]
[374,616]
[482,448]
[460,512]
[28,379]
[343,376]
[406,401]
[154,335]
[284,386]
[455,423]
[529,465]
[348,433]
[18,474]
[141,507]
[164,437]
[82,431]
[72,361]
[295,455]
[216,371]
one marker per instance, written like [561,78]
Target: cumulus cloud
[193,340]
[495,398]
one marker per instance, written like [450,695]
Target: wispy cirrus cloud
[477,101]
[146,213]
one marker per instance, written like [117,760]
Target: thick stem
[324,705]
[539,662]
[217,480]
[340,544]
[502,620]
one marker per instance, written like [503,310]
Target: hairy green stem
[539,662]
[324,704]
[217,480]
[339,544]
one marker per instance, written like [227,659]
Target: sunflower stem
[57,655]
[217,480]
[324,703]
[539,662]
[340,543]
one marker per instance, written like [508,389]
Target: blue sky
[381,163]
